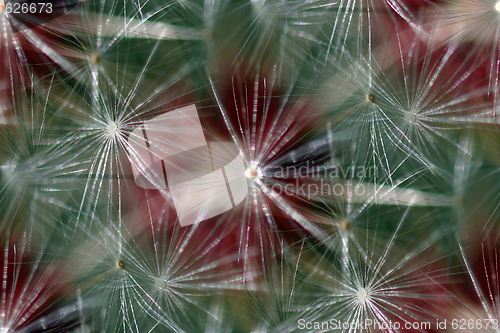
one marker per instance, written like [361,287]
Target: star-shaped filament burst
[264,118]
[100,264]
[102,131]
[35,168]
[113,130]
[98,40]
[363,296]
[413,111]
[153,271]
[377,286]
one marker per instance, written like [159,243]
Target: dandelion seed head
[95,58]
[161,283]
[112,129]
[411,116]
[120,265]
[252,173]
[362,296]
[345,225]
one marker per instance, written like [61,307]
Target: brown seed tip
[95,59]
[370,98]
[345,225]
[120,265]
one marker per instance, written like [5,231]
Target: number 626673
[28,8]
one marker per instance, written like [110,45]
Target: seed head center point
[362,295]
[251,173]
